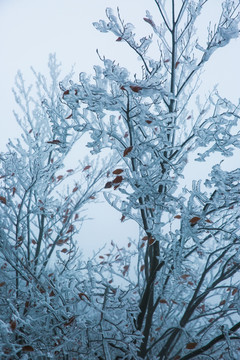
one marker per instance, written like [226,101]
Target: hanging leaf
[64,250]
[76,216]
[117,171]
[117,180]
[119,38]
[87,167]
[75,189]
[59,177]
[148,121]
[234,291]
[123,218]
[126,267]
[2,283]
[177,217]
[191,345]
[125,135]
[69,116]
[223,302]
[127,150]
[70,170]
[194,220]
[177,63]
[108,185]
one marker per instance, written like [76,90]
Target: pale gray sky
[31,29]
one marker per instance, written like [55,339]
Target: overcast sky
[31,29]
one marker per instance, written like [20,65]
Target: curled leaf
[149,21]
[82,295]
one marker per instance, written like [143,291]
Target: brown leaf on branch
[149,21]
[135,88]
[117,171]
[123,218]
[3,200]
[87,167]
[27,348]
[177,63]
[108,185]
[127,150]
[194,220]
[54,142]
[163,301]
[117,180]
[191,345]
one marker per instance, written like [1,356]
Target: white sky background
[31,29]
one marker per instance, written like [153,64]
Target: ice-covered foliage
[174,294]
[41,211]
[189,237]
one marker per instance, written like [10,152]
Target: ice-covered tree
[186,285]
[174,293]
[41,212]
